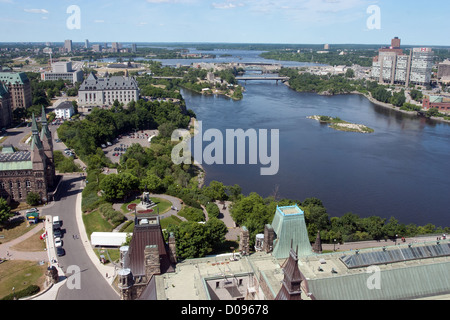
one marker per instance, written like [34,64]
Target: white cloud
[40,11]
[230,4]
[99,21]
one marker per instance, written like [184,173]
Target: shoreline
[378,103]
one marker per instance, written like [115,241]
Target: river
[400,170]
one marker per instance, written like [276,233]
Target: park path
[7,251]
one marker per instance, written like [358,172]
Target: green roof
[16,165]
[3,90]
[290,229]
[409,282]
[14,78]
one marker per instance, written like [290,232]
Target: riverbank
[378,103]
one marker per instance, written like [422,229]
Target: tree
[215,191]
[33,198]
[213,210]
[433,112]
[5,211]
[350,73]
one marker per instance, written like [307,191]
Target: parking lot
[114,149]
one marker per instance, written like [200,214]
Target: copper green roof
[19,160]
[290,229]
[35,140]
[45,133]
[409,282]
[14,78]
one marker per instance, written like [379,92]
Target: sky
[227,21]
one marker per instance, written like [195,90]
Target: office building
[68,46]
[422,65]
[134,48]
[19,88]
[96,48]
[86,44]
[444,69]
[63,70]
[104,91]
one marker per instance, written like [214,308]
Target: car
[103,146]
[32,210]
[57,233]
[58,242]
[60,251]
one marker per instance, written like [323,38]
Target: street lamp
[14,292]
[334,248]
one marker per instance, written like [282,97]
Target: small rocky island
[341,125]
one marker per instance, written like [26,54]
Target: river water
[400,170]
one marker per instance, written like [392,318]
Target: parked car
[60,251]
[32,210]
[58,242]
[57,233]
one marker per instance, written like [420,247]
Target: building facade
[104,91]
[436,102]
[5,107]
[22,172]
[68,46]
[19,88]
[65,110]
[63,71]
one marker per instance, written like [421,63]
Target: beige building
[104,91]
[19,88]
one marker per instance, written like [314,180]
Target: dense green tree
[5,211]
[33,198]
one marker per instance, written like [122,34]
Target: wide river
[400,170]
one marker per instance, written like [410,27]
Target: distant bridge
[244,78]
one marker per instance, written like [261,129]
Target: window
[28,183]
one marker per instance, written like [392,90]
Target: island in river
[341,125]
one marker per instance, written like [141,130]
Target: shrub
[192,214]
[29,291]
[213,210]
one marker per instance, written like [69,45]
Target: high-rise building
[392,65]
[134,48]
[68,46]
[86,44]
[422,65]
[115,47]
[444,69]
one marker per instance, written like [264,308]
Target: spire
[45,133]
[35,140]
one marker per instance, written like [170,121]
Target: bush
[213,210]
[192,214]
[29,291]
[33,199]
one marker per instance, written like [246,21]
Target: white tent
[110,239]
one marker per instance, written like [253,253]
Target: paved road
[92,283]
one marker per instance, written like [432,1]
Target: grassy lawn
[169,221]
[32,244]
[14,229]
[94,222]
[20,274]
[163,205]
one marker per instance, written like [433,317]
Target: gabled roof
[145,235]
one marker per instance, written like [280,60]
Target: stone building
[5,107]
[104,91]
[19,88]
[22,172]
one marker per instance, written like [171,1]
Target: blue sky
[240,21]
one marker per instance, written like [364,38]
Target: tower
[291,286]
[47,144]
[317,247]
[38,160]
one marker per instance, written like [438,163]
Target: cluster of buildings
[393,66]
[283,266]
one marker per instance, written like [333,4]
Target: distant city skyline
[226,21]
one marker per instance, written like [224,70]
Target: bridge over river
[273,78]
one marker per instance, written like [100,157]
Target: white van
[56,222]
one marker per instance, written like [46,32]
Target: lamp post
[334,248]
[14,293]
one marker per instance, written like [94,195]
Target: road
[93,285]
